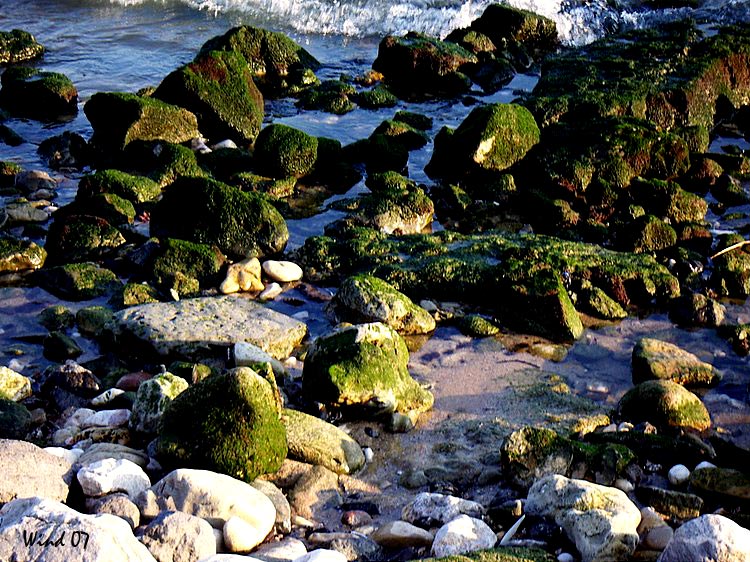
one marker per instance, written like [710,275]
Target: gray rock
[175,536]
[318,486]
[113,475]
[151,400]
[400,534]
[429,509]
[100,451]
[192,326]
[316,441]
[286,550]
[116,504]
[357,547]
[601,521]
[461,535]
[29,471]
[708,537]
[280,503]
[31,526]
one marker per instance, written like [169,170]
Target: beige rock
[243,276]
[400,534]
[282,271]
[14,386]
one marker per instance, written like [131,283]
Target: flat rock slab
[194,327]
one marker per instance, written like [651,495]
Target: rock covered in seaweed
[17,46]
[665,404]
[38,94]
[659,360]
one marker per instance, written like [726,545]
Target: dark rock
[37,94]
[57,317]
[331,96]
[80,238]
[282,151]
[738,335]
[77,281]
[646,234]
[161,161]
[677,506]
[502,23]
[59,347]
[722,485]
[662,449]
[731,274]
[15,420]
[69,150]
[696,310]
[18,46]
[199,261]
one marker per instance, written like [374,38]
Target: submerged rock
[33,93]
[363,368]
[121,118]
[228,423]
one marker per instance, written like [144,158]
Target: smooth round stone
[658,537]
[650,519]
[240,536]
[704,464]
[69,455]
[624,484]
[113,475]
[282,271]
[400,534]
[565,557]
[106,397]
[271,291]
[356,518]
[107,418]
[678,474]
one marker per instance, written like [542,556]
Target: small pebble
[228,143]
[611,428]
[271,291]
[282,271]
[369,455]
[565,557]
[106,397]
[598,387]
[624,484]
[678,474]
[705,464]
[356,518]
[658,537]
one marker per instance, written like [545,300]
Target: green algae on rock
[151,401]
[92,320]
[163,162]
[17,46]
[79,238]
[318,442]
[721,484]
[15,420]
[362,368]
[229,423]
[283,151]
[501,554]
[665,404]
[206,211]
[120,118]
[136,189]
[20,255]
[365,298]
[491,138]
[13,386]
[654,359]
[278,64]
[77,281]
[331,96]
[37,94]
[202,262]
[501,23]
[218,88]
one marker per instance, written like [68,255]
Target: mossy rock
[163,162]
[722,484]
[731,274]
[33,93]
[229,423]
[152,399]
[738,335]
[389,181]
[15,420]
[491,138]
[116,210]
[654,359]
[365,298]
[362,368]
[376,98]
[136,189]
[646,234]
[209,212]
[596,302]
[218,88]
[408,136]
[247,181]
[79,238]
[330,96]
[20,255]
[14,386]
[675,505]
[57,317]
[92,320]
[668,199]
[223,163]
[60,347]
[415,65]
[283,151]
[416,120]
[77,281]
[18,46]
[478,326]
[500,554]
[278,64]
[11,138]
[502,23]
[314,441]
[138,293]
[8,172]
[120,118]
[199,261]
[665,404]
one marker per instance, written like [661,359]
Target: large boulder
[121,118]
[665,404]
[30,471]
[136,189]
[20,255]
[277,64]
[18,45]
[415,65]
[654,359]
[218,88]
[283,151]
[80,238]
[491,138]
[363,367]
[210,212]
[35,528]
[30,92]
[152,398]
[193,327]
[708,537]
[503,23]
[365,298]
[228,423]
[601,521]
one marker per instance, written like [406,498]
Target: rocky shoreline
[212,426]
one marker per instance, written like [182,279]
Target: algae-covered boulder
[37,94]
[659,360]
[277,64]
[152,399]
[646,234]
[331,96]
[491,138]
[665,404]
[79,238]
[14,386]
[731,274]
[361,368]
[415,65]
[219,89]
[228,423]
[722,484]
[20,255]
[500,554]
[282,151]
[175,257]
[738,336]
[365,298]
[77,281]
[695,309]
[161,161]
[136,189]
[209,212]
[601,521]
[120,118]
[18,45]
[92,320]
[315,441]
[668,199]
[500,23]
[116,210]
[15,420]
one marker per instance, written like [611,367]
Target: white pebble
[228,143]
[678,474]
[611,428]
[705,464]
[565,557]
[624,484]
[271,291]
[106,397]
[597,387]
[282,271]
[369,455]
[625,426]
